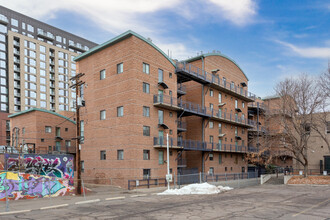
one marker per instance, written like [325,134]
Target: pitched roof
[41,110]
[117,39]
[215,54]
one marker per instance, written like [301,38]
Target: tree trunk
[305,170]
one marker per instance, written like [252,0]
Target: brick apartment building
[135,95]
[44,132]
[265,136]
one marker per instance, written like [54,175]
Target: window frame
[145,69]
[120,68]
[120,111]
[146,131]
[103,115]
[102,74]
[103,155]
[120,154]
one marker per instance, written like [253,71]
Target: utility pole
[76,82]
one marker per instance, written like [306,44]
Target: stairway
[276,180]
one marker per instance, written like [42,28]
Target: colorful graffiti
[60,166]
[28,186]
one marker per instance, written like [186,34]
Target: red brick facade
[112,134]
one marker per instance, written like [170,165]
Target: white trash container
[301,172]
[325,173]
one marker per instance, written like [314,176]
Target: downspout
[203,121]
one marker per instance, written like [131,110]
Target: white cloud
[308,52]
[239,12]
[142,16]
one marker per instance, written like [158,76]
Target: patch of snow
[198,188]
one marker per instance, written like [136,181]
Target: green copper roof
[117,39]
[215,54]
[271,97]
[40,110]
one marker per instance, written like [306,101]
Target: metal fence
[231,179]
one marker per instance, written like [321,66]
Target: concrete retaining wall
[238,183]
[264,178]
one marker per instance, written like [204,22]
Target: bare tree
[325,82]
[300,99]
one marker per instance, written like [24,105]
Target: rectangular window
[68,143]
[146,173]
[211,171]
[120,68]
[211,92]
[120,111]
[146,154]
[82,131]
[82,165]
[328,127]
[160,75]
[211,106]
[236,131]
[243,105]
[146,111]
[220,128]
[236,103]
[211,139]
[57,146]
[220,158]
[102,74]
[211,124]
[146,131]
[120,154]
[160,157]
[160,117]
[102,115]
[103,155]
[146,68]
[211,157]
[232,85]
[58,132]
[48,129]
[146,88]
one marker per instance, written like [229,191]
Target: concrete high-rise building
[36,63]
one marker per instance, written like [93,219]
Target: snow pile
[203,188]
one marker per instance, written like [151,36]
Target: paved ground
[256,202]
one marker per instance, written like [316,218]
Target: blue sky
[269,39]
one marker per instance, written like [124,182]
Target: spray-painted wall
[60,166]
[16,186]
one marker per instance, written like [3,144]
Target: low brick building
[42,131]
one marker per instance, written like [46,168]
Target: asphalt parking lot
[256,202]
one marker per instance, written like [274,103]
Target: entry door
[161,137]
[160,96]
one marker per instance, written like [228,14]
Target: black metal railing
[214,79]
[202,111]
[199,145]
[181,125]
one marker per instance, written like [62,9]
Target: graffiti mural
[28,186]
[60,166]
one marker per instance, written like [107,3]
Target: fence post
[238,181]
[149,183]
[200,177]
[174,180]
[83,188]
[7,201]
[226,176]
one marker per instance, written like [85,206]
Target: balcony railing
[182,89]
[77,46]
[181,125]
[173,103]
[16,52]
[208,78]
[3,19]
[44,34]
[16,43]
[198,145]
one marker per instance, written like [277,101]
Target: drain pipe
[203,120]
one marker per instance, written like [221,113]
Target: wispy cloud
[308,52]
[143,16]
[239,12]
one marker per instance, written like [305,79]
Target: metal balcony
[189,108]
[16,44]
[181,126]
[16,69]
[16,52]
[193,145]
[45,35]
[181,90]
[3,20]
[187,72]
[77,46]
